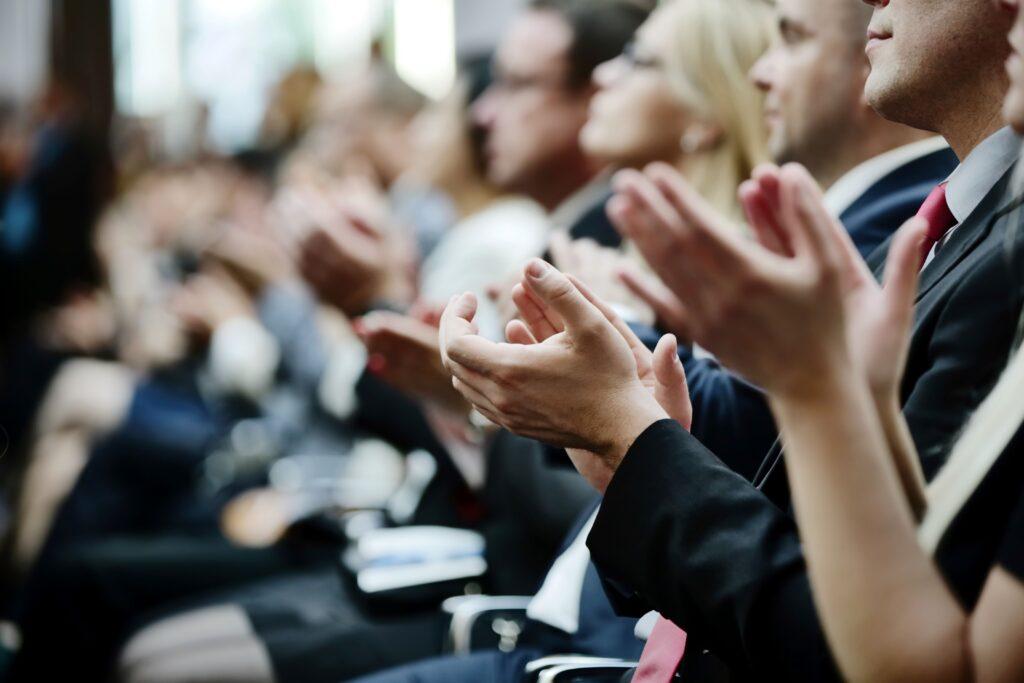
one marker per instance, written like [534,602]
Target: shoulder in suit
[893,199]
[699,544]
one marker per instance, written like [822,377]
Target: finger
[479,401]
[670,388]
[761,218]
[518,333]
[533,313]
[607,311]
[902,270]
[666,306]
[799,216]
[456,322]
[620,212]
[854,267]
[720,242]
[557,292]
[767,178]
[480,355]
[663,218]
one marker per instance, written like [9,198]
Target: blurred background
[198,73]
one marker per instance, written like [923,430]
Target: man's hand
[349,261]
[404,352]
[256,259]
[209,299]
[578,388]
[669,312]
[599,267]
[660,371]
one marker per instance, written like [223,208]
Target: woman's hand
[797,303]
[403,351]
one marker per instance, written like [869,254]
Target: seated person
[736,603]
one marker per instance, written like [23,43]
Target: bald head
[813,81]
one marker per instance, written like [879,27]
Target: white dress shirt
[975,176]
[557,603]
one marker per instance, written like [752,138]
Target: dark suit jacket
[694,540]
[731,416]
[877,213]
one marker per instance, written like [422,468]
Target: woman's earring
[692,141]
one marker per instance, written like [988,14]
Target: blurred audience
[622,332]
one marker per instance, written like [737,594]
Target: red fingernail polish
[376,363]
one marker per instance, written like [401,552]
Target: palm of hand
[876,338]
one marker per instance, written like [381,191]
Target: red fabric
[940,219]
[662,653]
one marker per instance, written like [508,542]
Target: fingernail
[537,269]
[376,363]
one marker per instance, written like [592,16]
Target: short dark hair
[600,30]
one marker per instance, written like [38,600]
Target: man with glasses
[539,102]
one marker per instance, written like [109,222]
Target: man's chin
[879,93]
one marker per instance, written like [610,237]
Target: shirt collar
[572,209]
[854,183]
[983,167]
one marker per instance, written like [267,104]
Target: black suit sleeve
[698,543]
[1011,555]
[966,346]
[730,416]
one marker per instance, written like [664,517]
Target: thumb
[902,270]
[558,292]
[456,321]
[670,388]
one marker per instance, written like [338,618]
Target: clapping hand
[350,259]
[404,352]
[784,309]
[568,377]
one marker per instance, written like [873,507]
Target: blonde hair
[718,43]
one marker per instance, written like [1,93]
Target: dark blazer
[694,540]
[730,416]
[877,213]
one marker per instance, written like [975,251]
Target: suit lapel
[973,231]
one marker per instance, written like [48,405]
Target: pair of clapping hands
[788,310]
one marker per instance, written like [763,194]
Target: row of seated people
[705,92]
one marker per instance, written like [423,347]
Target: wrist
[638,411]
[822,386]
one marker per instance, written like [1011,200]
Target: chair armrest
[506,613]
[533,670]
[580,673]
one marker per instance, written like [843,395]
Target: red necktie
[940,219]
[662,653]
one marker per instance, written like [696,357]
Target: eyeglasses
[510,84]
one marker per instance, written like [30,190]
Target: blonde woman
[939,600]
[911,583]
[680,94]
[802,316]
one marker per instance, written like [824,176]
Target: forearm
[886,611]
[904,452]
[710,552]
